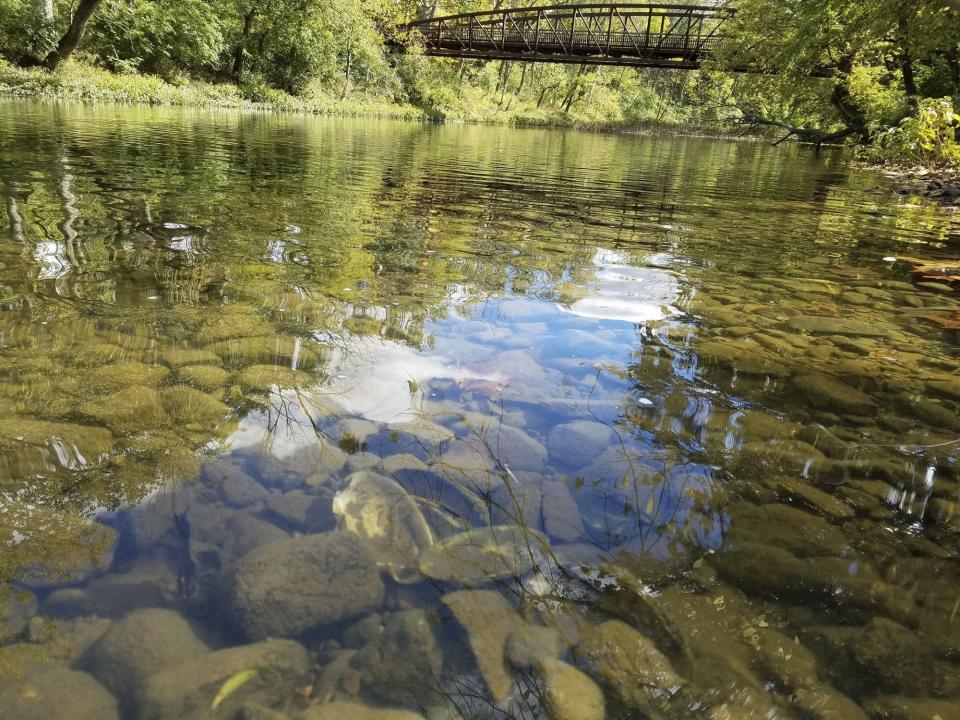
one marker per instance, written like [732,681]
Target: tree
[827,63]
[71,39]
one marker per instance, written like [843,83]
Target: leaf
[232,684]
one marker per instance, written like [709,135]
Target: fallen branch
[814,136]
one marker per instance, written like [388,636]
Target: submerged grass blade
[232,684]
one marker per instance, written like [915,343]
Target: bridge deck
[649,35]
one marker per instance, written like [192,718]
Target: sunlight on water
[320,419]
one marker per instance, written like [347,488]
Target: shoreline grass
[82,82]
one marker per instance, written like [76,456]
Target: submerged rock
[265,377]
[194,410]
[403,664]
[744,356]
[629,665]
[85,443]
[830,392]
[378,509]
[528,645]
[355,711]
[245,532]
[204,377]
[789,528]
[286,588]
[125,374]
[55,693]
[142,644]
[148,585]
[819,325]
[179,357]
[902,707]
[894,657]
[266,350]
[91,557]
[481,554]
[296,510]
[135,409]
[568,693]
[510,446]
[578,443]
[235,487]
[16,608]
[423,429]
[185,691]
[807,496]
[540,504]
[824,702]
[785,660]
[489,620]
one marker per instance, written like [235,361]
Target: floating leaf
[232,684]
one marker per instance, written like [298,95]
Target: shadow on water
[324,419]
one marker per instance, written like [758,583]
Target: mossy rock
[135,409]
[125,374]
[826,391]
[100,353]
[179,357]
[204,377]
[193,409]
[233,324]
[264,377]
[54,692]
[89,442]
[264,350]
[819,325]
[170,453]
[744,356]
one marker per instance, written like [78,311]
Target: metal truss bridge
[633,34]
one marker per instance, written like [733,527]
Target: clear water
[313,418]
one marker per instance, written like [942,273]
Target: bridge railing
[644,32]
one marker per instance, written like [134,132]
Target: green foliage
[77,80]
[163,37]
[23,34]
[930,136]
[862,67]
[883,100]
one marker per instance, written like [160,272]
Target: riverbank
[88,83]
[78,81]
[941,184]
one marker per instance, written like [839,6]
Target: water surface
[315,418]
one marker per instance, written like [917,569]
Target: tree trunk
[953,62]
[841,99]
[68,43]
[575,90]
[506,69]
[428,9]
[523,79]
[909,80]
[906,68]
[346,80]
[46,11]
[237,68]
